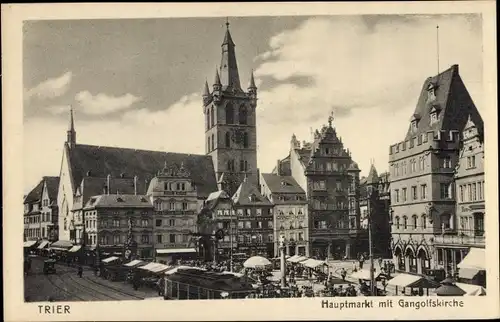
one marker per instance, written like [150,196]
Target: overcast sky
[137,83]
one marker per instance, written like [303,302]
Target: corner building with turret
[422,169]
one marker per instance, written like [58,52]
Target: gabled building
[374,206]
[451,249]
[254,214]
[422,172]
[41,212]
[325,170]
[290,213]
[176,207]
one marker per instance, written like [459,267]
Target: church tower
[230,121]
[71,133]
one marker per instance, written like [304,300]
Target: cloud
[104,104]
[50,88]
[366,73]
[176,128]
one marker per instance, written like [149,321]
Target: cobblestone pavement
[65,285]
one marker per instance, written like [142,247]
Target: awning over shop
[475,259]
[175,251]
[74,249]
[155,267]
[364,274]
[412,281]
[298,259]
[59,249]
[134,263]
[43,244]
[173,270]
[312,263]
[110,259]
[62,244]
[472,290]
[29,243]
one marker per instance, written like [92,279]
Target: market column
[348,249]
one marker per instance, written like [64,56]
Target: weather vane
[227,22]
[330,119]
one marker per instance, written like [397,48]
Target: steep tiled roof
[214,198]
[119,201]
[101,161]
[281,184]
[372,176]
[35,194]
[451,99]
[52,186]
[304,154]
[284,167]
[93,186]
[245,190]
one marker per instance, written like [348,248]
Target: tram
[195,284]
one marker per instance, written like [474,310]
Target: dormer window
[119,199]
[433,117]
[431,92]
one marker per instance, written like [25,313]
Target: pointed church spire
[206,91]
[252,82]
[71,133]
[228,67]
[217,78]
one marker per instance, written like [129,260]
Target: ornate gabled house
[176,204]
[325,170]
[230,122]
[291,220]
[254,214]
[463,252]
[422,172]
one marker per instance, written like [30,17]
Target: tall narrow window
[208,144]
[213,142]
[228,140]
[243,115]
[229,113]
[424,221]
[245,140]
[212,116]
[208,119]
[423,191]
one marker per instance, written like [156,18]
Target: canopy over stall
[29,243]
[472,290]
[74,249]
[134,263]
[110,259]
[173,270]
[472,264]
[170,251]
[63,244]
[291,259]
[256,262]
[312,263]
[412,281]
[156,268]
[298,259]
[43,244]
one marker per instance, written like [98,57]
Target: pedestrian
[80,270]
[380,262]
[343,273]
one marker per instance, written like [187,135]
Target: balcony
[462,240]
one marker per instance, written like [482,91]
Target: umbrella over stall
[256,262]
[449,288]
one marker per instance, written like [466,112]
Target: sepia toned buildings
[290,213]
[325,171]
[422,172]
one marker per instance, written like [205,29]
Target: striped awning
[110,259]
[74,249]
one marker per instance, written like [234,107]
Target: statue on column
[130,244]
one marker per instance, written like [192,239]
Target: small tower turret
[252,90]
[206,95]
[217,87]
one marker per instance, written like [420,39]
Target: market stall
[413,282]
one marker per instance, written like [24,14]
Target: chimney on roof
[135,185]
[108,182]
[278,167]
